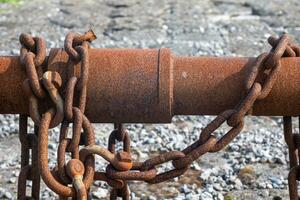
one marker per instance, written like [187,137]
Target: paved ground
[207,27]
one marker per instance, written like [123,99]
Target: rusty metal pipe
[152,85]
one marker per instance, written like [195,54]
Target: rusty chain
[32,56]
[293,141]
[74,174]
[29,168]
[80,173]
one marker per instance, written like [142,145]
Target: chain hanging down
[79,173]
[29,171]
[293,142]
[32,56]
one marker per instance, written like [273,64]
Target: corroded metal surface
[127,85]
[135,85]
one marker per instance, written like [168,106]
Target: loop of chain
[32,55]
[80,170]
[50,180]
[258,86]
[134,174]
[76,39]
[257,89]
[279,48]
[161,159]
[51,81]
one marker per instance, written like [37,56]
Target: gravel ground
[253,166]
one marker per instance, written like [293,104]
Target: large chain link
[78,169]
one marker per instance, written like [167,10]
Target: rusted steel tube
[152,85]
[12,98]
[210,85]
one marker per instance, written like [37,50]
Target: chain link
[32,55]
[293,142]
[121,135]
[29,171]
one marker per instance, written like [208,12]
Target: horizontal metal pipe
[152,85]
[209,85]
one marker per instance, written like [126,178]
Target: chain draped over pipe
[72,177]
